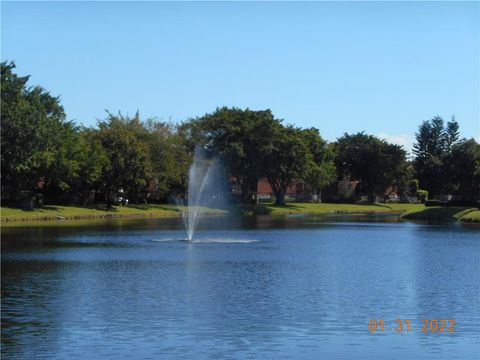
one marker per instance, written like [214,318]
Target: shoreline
[460,214]
[7,220]
[56,214]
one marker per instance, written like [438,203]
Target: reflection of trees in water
[31,308]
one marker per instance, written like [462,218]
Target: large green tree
[287,161]
[76,168]
[243,137]
[148,159]
[320,171]
[463,163]
[370,160]
[451,134]
[128,166]
[91,158]
[34,129]
[169,159]
[434,142]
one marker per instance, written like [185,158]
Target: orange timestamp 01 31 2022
[405,325]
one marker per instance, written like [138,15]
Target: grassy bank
[57,212]
[444,213]
[326,208]
[11,216]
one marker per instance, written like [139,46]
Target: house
[264,192]
[296,192]
[346,189]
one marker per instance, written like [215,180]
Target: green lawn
[10,216]
[322,208]
[52,212]
[443,213]
[472,216]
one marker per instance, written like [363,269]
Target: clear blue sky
[382,67]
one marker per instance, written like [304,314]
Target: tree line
[149,159]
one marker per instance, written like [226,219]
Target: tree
[91,158]
[128,166]
[452,135]
[33,127]
[169,159]
[413,187]
[421,149]
[434,143]
[374,162]
[63,180]
[287,161]
[464,163]
[405,185]
[321,170]
[243,137]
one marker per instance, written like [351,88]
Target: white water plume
[206,188]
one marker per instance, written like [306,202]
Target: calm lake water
[259,287]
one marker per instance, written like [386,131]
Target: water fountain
[204,190]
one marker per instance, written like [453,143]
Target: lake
[255,287]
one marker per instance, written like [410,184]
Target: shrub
[422,195]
